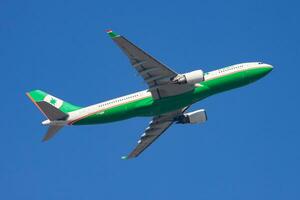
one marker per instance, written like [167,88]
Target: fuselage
[142,104]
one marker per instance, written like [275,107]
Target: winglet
[112,34]
[124,157]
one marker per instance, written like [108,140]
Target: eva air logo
[53,101]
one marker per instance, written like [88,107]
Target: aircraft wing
[157,75]
[156,128]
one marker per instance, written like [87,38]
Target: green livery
[38,95]
[169,95]
[151,107]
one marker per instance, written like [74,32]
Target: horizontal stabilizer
[51,112]
[52,130]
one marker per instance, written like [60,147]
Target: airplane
[167,99]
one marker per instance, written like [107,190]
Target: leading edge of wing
[113,35]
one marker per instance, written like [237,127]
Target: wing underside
[159,79]
[156,128]
[157,75]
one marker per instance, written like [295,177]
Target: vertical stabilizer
[39,98]
[55,109]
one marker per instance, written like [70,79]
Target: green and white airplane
[166,100]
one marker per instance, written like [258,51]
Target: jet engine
[198,116]
[190,78]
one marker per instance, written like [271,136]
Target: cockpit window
[260,63]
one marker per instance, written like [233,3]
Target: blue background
[248,149]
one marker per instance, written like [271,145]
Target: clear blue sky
[249,149]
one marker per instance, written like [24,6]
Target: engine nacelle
[190,78]
[198,116]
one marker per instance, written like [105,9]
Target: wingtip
[45,139]
[111,33]
[124,157]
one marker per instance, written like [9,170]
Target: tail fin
[53,108]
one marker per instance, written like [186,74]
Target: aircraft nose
[264,70]
[269,68]
[258,72]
